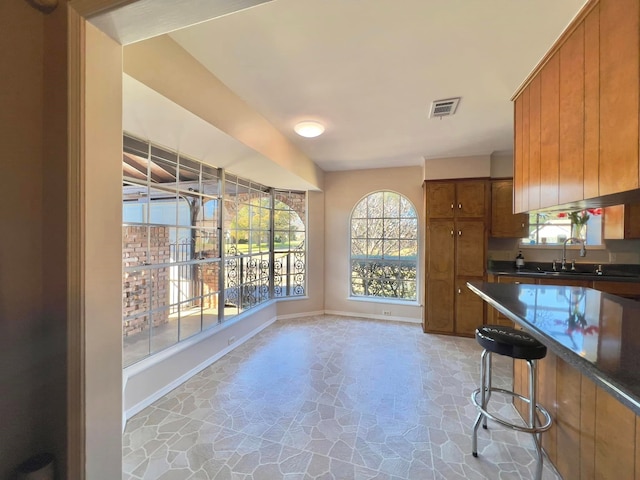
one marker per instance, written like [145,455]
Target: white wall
[103,255]
[476,166]
[501,165]
[342,191]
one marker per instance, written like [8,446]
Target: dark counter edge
[582,365]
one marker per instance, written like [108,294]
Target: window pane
[136,339]
[361,210]
[375,228]
[391,228]
[374,205]
[135,245]
[190,318]
[209,310]
[392,249]
[164,330]
[374,248]
[406,208]
[359,228]
[409,228]
[391,204]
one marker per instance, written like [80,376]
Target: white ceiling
[150,116]
[369,70]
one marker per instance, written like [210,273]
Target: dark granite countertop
[584,271]
[597,333]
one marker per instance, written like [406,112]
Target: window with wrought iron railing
[384,247]
[200,246]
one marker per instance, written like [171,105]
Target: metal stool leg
[489,377]
[533,418]
[484,397]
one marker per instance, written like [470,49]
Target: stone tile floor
[328,397]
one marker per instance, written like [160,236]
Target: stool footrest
[513,426]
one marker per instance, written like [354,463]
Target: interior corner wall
[343,190]
[477,166]
[25,367]
[502,165]
[314,301]
[103,255]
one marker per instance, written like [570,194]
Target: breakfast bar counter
[597,333]
[590,379]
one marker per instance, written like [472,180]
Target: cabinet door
[441,199]
[470,308]
[470,248]
[591,102]
[622,222]
[471,199]
[526,133]
[549,131]
[613,223]
[572,117]
[517,156]
[440,277]
[619,66]
[503,222]
[534,143]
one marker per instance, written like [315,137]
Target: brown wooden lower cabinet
[593,435]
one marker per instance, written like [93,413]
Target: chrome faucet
[583,251]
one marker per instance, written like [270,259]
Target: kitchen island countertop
[595,332]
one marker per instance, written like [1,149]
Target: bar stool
[512,343]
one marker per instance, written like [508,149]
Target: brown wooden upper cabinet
[462,198]
[576,118]
[622,222]
[504,223]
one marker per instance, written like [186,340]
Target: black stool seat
[510,342]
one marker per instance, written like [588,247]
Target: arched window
[384,247]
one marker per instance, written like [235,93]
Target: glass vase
[579,230]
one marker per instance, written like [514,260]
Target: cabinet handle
[452,206]
[459,291]
[452,233]
[459,206]
[459,233]
[522,225]
[516,283]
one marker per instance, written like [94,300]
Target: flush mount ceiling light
[309,129]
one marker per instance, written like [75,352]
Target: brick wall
[137,285]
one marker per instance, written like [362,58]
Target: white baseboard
[374,316]
[198,368]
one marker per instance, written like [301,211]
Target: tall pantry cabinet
[456,244]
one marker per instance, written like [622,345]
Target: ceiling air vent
[444,108]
